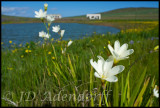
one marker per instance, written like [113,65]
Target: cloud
[18,11]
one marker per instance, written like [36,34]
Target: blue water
[22,33]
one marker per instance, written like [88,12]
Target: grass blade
[115,95]
[91,86]
[142,92]
[72,70]
[136,90]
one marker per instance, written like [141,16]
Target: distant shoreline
[119,24]
[71,22]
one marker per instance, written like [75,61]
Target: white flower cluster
[49,19]
[104,69]
[55,29]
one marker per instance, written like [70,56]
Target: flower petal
[110,48]
[100,64]
[122,49]
[36,13]
[122,58]
[97,75]
[100,57]
[62,33]
[115,70]
[37,16]
[94,64]
[69,43]
[107,65]
[116,46]
[115,54]
[112,79]
[40,11]
[128,52]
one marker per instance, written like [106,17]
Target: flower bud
[45,6]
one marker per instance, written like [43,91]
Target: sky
[69,8]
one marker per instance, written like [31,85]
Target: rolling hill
[5,19]
[118,14]
[128,13]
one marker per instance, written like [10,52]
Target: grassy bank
[120,24]
[43,69]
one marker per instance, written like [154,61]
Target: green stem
[105,94]
[46,60]
[103,90]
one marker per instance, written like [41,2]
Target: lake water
[22,33]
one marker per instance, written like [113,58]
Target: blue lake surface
[22,33]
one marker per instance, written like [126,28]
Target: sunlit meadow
[101,70]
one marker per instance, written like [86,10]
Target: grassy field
[45,71]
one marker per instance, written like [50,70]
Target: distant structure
[93,16]
[56,16]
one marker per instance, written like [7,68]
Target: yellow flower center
[104,76]
[116,61]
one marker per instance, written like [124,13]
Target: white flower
[63,51]
[45,5]
[69,43]
[40,14]
[43,34]
[62,33]
[104,69]
[49,19]
[47,35]
[155,92]
[56,28]
[120,53]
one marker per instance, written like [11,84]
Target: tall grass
[71,74]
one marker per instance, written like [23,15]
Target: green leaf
[142,92]
[128,92]
[105,93]
[115,95]
[59,70]
[137,87]
[149,101]
[91,86]
[125,90]
[72,70]
[122,90]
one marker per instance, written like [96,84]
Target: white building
[93,16]
[56,16]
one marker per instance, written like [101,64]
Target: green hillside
[5,19]
[128,13]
